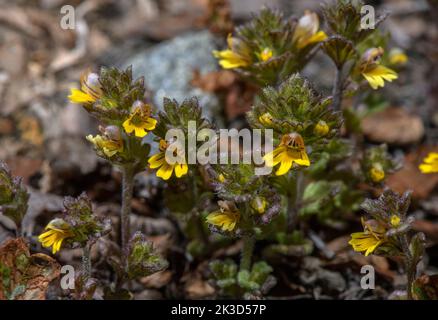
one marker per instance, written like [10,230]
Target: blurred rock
[168,68]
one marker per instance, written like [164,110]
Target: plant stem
[86,260]
[293,202]
[248,247]
[127,190]
[337,89]
[410,267]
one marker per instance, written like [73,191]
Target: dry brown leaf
[25,276]
[411,178]
[157,280]
[196,288]
[393,126]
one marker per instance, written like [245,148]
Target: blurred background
[169,42]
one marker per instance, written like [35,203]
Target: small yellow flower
[307,30]
[221,178]
[395,221]
[165,169]
[430,163]
[372,71]
[266,54]
[321,128]
[110,142]
[259,204]
[226,218]
[290,150]
[370,239]
[397,57]
[237,55]
[266,119]
[58,231]
[140,121]
[90,90]
[377,173]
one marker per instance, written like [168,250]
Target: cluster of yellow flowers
[239,55]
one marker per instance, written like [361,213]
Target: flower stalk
[127,190]
[247,250]
[86,260]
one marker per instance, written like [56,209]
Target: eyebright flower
[57,231]
[321,128]
[165,169]
[226,218]
[110,142]
[430,163]
[90,89]
[140,120]
[266,54]
[397,56]
[377,173]
[266,119]
[259,204]
[370,239]
[372,71]
[237,55]
[306,32]
[290,150]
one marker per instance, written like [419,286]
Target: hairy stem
[86,260]
[293,203]
[337,89]
[127,189]
[248,248]
[410,267]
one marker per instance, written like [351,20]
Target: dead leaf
[25,276]
[411,178]
[197,288]
[393,126]
[157,280]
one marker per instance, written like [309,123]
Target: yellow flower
[58,230]
[397,56]
[110,142]
[266,54]
[266,119]
[395,221]
[290,150]
[139,120]
[321,128]
[226,218]
[372,71]
[377,173]
[259,204]
[430,163]
[237,55]
[90,90]
[370,239]
[221,178]
[306,32]
[165,169]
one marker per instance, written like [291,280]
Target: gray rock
[168,68]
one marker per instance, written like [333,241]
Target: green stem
[248,248]
[293,203]
[127,190]
[337,89]
[86,260]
